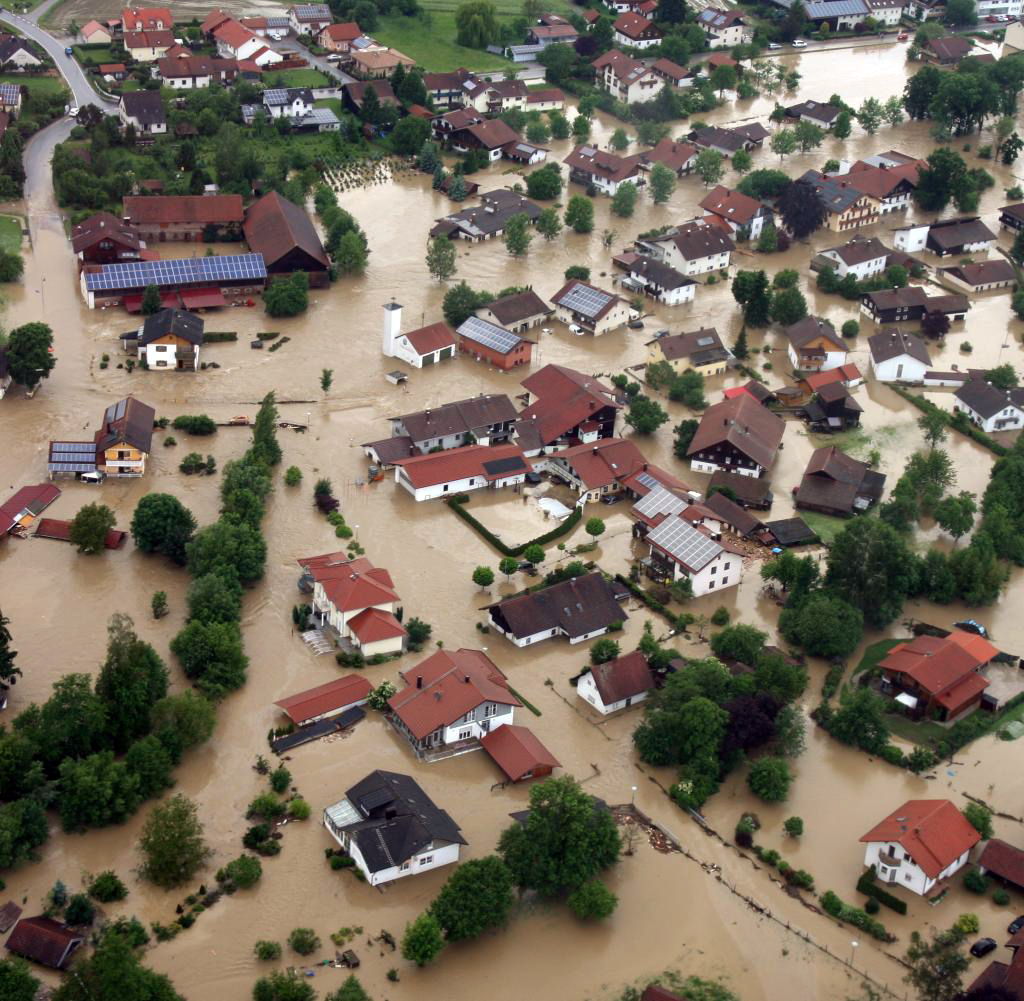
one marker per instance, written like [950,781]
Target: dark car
[1016,925]
[612,498]
[983,947]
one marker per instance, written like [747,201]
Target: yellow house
[847,207]
[699,350]
[125,438]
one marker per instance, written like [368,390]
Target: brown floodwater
[672,912]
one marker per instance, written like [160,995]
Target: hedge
[457,505]
[214,336]
[867,885]
[652,603]
[197,424]
[958,421]
[832,905]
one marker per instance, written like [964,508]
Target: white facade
[295,108]
[860,270]
[586,689]
[1012,8]
[646,87]
[672,296]
[196,82]
[894,866]
[461,486]
[833,359]
[546,634]
[1007,419]
[429,858]
[622,40]
[902,368]
[670,253]
[394,344]
[725,570]
[478,722]
[162,355]
[329,614]
[616,317]
[910,238]
[22,59]
[702,466]
[886,13]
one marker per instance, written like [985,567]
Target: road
[316,62]
[82,91]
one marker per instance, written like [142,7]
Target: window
[725,580]
[714,570]
[711,585]
[906,876]
[404,867]
[490,710]
[726,566]
[465,734]
[426,860]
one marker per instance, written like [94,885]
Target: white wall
[907,874]
[699,466]
[910,239]
[454,486]
[586,689]
[900,369]
[725,570]
[453,733]
[860,271]
[1011,415]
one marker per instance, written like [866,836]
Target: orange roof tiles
[333,695]
[517,751]
[351,585]
[373,625]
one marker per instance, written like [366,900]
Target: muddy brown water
[671,913]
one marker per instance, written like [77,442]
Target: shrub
[744,835]
[592,900]
[280,779]
[244,871]
[197,424]
[298,809]
[256,835]
[107,887]
[802,878]
[266,950]
[720,617]
[893,755]
[979,818]
[769,779]
[967,924]
[266,805]
[293,476]
[867,885]
[80,910]
[304,941]
[793,826]
[872,906]
[975,881]
[1000,897]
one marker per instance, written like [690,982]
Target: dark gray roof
[400,820]
[475,414]
[955,232]
[814,110]
[578,606]
[127,421]
[859,250]
[145,106]
[893,343]
[985,400]
[835,194]
[178,322]
[688,345]
[731,513]
[491,216]
[810,327]
[661,274]
[696,240]
[518,307]
[719,138]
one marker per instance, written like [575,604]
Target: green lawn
[36,84]
[823,525]
[297,78]
[330,102]
[875,653]
[10,234]
[93,57]
[432,44]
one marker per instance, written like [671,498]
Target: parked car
[983,947]
[902,36]
[774,45]
[576,329]
[612,498]
[799,43]
[1016,925]
[68,51]
[636,324]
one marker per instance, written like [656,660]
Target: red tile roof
[213,20]
[102,226]
[603,462]
[633,25]
[732,205]
[346,32]
[1004,861]
[274,227]
[517,751]
[374,624]
[460,463]
[44,941]
[944,668]
[351,585]
[151,209]
[932,831]
[623,677]
[32,499]
[746,425]
[433,337]
[232,34]
[844,373]
[447,685]
[334,695]
[143,18]
[565,399]
[148,39]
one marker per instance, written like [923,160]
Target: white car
[73,111]
[774,45]
[799,43]
[576,329]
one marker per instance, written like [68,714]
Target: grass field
[36,84]
[329,102]
[93,57]
[10,234]
[823,525]
[297,78]
[433,45]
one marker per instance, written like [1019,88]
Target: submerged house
[738,435]
[835,484]
[616,684]
[169,339]
[119,448]
[392,829]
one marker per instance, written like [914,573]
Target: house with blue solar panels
[591,309]
[119,448]
[486,341]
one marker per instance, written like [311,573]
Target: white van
[94,476]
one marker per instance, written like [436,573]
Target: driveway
[82,91]
[316,62]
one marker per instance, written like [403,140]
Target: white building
[678,550]
[392,829]
[860,257]
[460,470]
[898,357]
[887,11]
[617,684]
[16,56]
[424,346]
[170,339]
[990,408]
[309,19]
[922,843]
[723,28]
[143,110]
[694,248]
[625,78]
[911,238]
[293,102]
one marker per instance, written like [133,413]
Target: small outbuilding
[616,684]
[324,701]
[518,753]
[44,941]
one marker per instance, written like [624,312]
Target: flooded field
[673,913]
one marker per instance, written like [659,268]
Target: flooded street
[672,912]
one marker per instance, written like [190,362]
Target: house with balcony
[479,420]
[633,30]
[606,171]
[814,345]
[723,29]
[119,448]
[990,408]
[692,248]
[847,206]
[739,215]
[356,600]
[392,829]
[450,702]
[698,350]
[678,549]
[625,78]
[738,435]
[649,276]
[590,308]
[920,845]
[170,339]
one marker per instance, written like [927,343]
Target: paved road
[317,62]
[82,91]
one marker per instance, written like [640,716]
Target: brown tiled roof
[148,39]
[603,462]
[815,110]
[44,941]
[950,49]
[374,624]
[982,272]
[604,164]
[564,399]
[633,25]
[128,421]
[517,751]
[672,154]
[1003,860]
[933,831]
[623,677]
[493,133]
[102,226]
[955,232]
[515,308]
[347,31]
[232,33]
[433,337]
[447,685]
[810,328]
[746,425]
[731,205]
[324,698]
[578,606]
[141,18]
[147,106]
[941,667]
[859,250]
[490,462]
[665,67]
[626,68]
[695,241]
[356,91]
[459,417]
[678,346]
[143,209]
[731,513]
[275,226]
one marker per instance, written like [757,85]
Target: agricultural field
[431,42]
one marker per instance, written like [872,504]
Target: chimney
[465,678]
[390,813]
[419,680]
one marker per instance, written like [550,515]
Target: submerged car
[799,44]
[983,947]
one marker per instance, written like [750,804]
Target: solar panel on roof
[489,334]
[139,274]
[658,501]
[496,466]
[684,543]
[705,341]
[375,798]
[586,300]
[73,447]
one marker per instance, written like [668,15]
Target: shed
[326,700]
[790,532]
[518,752]
[44,941]
[1003,861]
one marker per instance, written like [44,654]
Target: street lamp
[853,951]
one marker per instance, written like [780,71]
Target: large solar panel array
[684,543]
[185,271]
[586,300]
[72,457]
[489,335]
[275,96]
[9,93]
[659,501]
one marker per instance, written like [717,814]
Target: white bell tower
[392,328]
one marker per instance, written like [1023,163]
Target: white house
[694,248]
[424,346]
[144,111]
[17,56]
[392,829]
[633,30]
[861,258]
[911,238]
[170,339]
[659,280]
[451,700]
[590,308]
[889,11]
[617,684]
[293,102]
[920,844]
[309,19]
[5,376]
[814,345]
[723,28]
[356,600]
[679,549]
[898,357]
[460,470]
[990,408]
[625,78]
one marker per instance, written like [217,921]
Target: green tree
[95,791]
[594,527]
[244,871]
[941,180]
[933,426]
[151,302]
[580,124]
[708,166]
[843,125]
[517,234]
[619,140]
[980,819]
[483,577]
[461,302]
[211,653]
[549,223]
[1002,377]
[579,214]
[290,296]
[892,110]
[624,200]
[508,565]
[663,183]
[961,13]
[936,966]
[860,720]
[545,183]
[793,826]
[592,901]
[409,135]
[171,844]
[278,986]
[750,290]
[228,547]
[742,161]
[783,142]
[8,668]
[304,941]
[351,989]
[350,257]
[870,115]
[825,626]
[72,723]
[16,980]
[183,721]
[558,62]
[476,24]
[151,765]
[113,972]
[107,887]
[645,415]
[441,258]
[788,306]
[739,642]
[89,528]
[29,354]
[808,136]
[534,554]
[850,328]
[920,90]
[422,941]
[566,840]
[478,896]
[538,133]
[23,828]
[604,650]
[801,209]
[955,515]
[769,779]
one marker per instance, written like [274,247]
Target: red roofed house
[147,19]
[920,844]
[939,677]
[459,470]
[518,753]
[848,374]
[451,700]
[736,212]
[327,700]
[636,31]
[22,508]
[357,600]
[147,46]
[156,218]
[44,941]
[617,684]
[339,37]
[94,33]
[105,239]
[1003,861]
[596,468]
[423,346]
[285,235]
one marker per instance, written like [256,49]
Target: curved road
[82,91]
